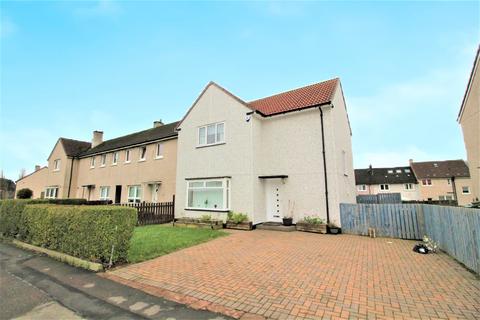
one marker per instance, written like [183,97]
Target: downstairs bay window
[211,194]
[134,194]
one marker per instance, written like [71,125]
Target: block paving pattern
[275,275]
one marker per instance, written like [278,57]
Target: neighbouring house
[443,180]
[35,181]
[285,155]
[469,119]
[372,181]
[133,168]
[7,188]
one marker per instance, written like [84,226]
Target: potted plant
[333,228]
[312,224]
[239,221]
[288,217]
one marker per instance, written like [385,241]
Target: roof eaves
[469,84]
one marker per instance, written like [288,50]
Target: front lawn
[153,241]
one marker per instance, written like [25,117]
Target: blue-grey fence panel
[380,198]
[457,231]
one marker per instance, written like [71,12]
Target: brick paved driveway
[301,275]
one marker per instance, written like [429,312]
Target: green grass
[153,241]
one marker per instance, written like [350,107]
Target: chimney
[97,138]
[37,167]
[410,161]
[157,123]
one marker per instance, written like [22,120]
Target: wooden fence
[380,198]
[153,213]
[456,229]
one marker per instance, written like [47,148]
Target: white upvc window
[465,190]
[135,193]
[362,187]
[426,182]
[115,158]
[103,160]
[409,186]
[211,134]
[407,170]
[51,192]
[104,193]
[447,197]
[92,162]
[159,151]
[143,153]
[398,171]
[56,165]
[211,194]
[449,181]
[384,187]
[390,171]
[127,155]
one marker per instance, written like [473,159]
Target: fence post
[173,207]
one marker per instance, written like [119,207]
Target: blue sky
[68,68]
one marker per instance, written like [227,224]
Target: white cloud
[7,27]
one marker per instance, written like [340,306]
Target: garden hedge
[11,212]
[87,232]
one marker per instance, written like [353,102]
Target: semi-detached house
[285,155]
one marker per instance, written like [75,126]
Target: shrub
[11,215]
[206,218]
[313,220]
[237,217]
[24,193]
[87,232]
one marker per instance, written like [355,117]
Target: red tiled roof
[309,96]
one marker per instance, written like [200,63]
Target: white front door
[155,188]
[273,197]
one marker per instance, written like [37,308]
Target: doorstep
[275,226]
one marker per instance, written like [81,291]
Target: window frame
[409,186]
[143,153]
[102,197]
[138,195]
[92,162]
[425,182]
[51,193]
[128,155]
[362,187]
[217,141]
[226,193]
[56,165]
[468,190]
[159,151]
[387,185]
[103,160]
[115,158]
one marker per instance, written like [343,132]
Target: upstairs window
[104,193]
[127,155]
[398,171]
[407,170]
[56,165]
[159,151]
[449,181]
[390,171]
[384,187]
[409,186]
[143,153]
[115,158]
[103,160]
[362,187]
[426,182]
[92,162]
[465,190]
[211,134]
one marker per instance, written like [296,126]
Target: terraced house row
[284,155]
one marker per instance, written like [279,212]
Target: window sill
[209,145]
[113,164]
[102,166]
[207,209]
[127,162]
[159,157]
[142,160]
[92,167]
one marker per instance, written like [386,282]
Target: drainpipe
[454,187]
[70,180]
[324,165]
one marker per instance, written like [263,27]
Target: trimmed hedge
[86,232]
[11,212]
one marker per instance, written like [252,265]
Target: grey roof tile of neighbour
[74,147]
[163,132]
[384,175]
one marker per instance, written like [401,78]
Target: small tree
[24,193]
